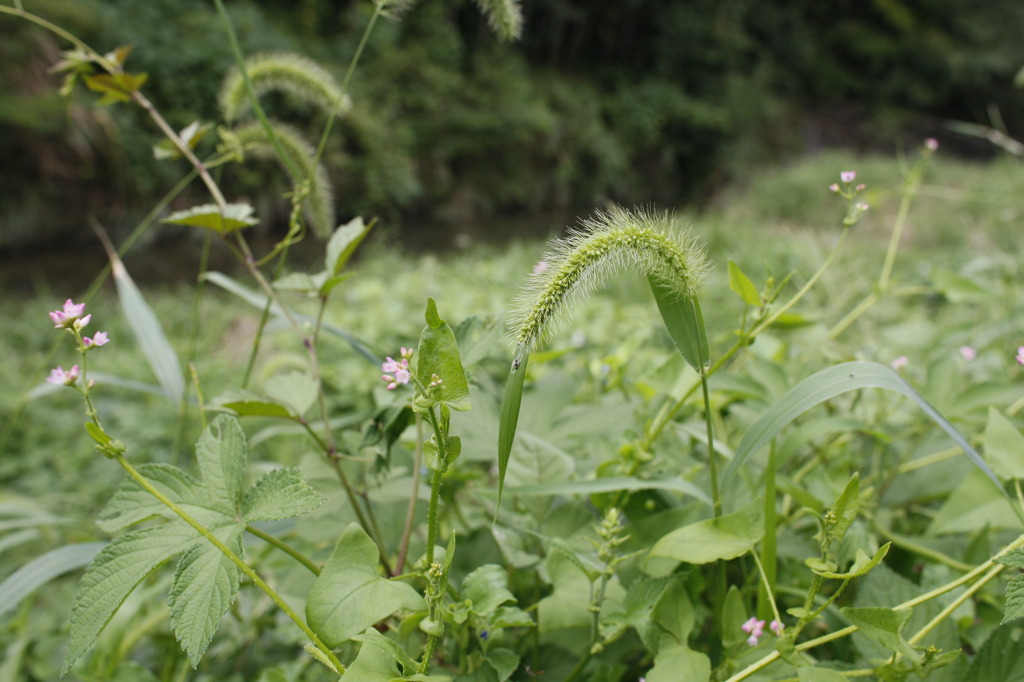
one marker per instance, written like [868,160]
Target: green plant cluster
[805,464]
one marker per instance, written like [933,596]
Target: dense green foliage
[632,102]
[609,372]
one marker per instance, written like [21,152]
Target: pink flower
[61,378]
[848,176]
[968,353]
[777,627]
[900,362]
[72,313]
[99,339]
[931,144]
[397,371]
[1020,355]
[754,628]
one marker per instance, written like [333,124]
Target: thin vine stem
[285,547]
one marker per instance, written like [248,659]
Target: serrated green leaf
[296,390]
[113,574]
[741,284]
[149,333]
[205,584]
[1004,446]
[438,353]
[343,243]
[1013,559]
[44,568]
[350,595]
[1014,608]
[222,455]
[236,217]
[827,384]
[724,537]
[883,625]
[487,588]
[280,494]
[132,504]
[685,323]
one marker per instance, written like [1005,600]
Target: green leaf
[511,401]
[259,408]
[741,284]
[685,323]
[1001,657]
[974,504]
[389,647]
[343,243]
[222,454]
[676,661]
[724,537]
[132,504]
[113,574]
[375,662]
[883,625]
[861,565]
[1004,446]
[827,384]
[1013,610]
[296,390]
[149,335]
[438,353]
[349,595]
[487,588]
[205,583]
[190,135]
[235,217]
[845,509]
[44,568]
[280,494]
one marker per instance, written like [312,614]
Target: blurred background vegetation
[627,100]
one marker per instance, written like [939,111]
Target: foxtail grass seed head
[611,240]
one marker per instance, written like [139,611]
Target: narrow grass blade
[259,300]
[685,323]
[43,569]
[148,333]
[827,384]
[509,415]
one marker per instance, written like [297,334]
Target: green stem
[410,511]
[236,51]
[235,559]
[286,548]
[991,568]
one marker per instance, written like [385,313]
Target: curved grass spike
[302,78]
[505,17]
[318,205]
[654,244]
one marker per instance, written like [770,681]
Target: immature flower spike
[652,242]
